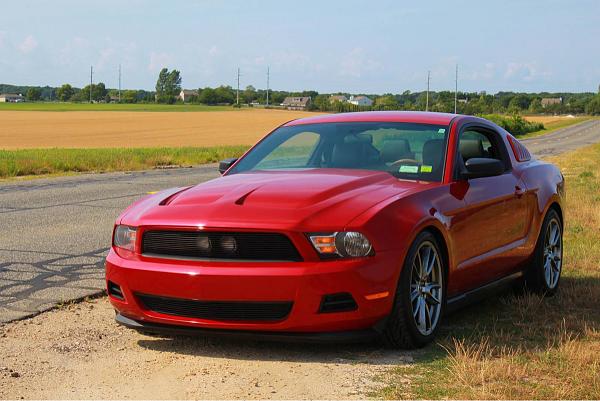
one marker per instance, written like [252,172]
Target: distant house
[11,98]
[360,101]
[465,100]
[549,101]
[296,103]
[338,98]
[186,94]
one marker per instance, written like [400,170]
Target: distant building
[296,103]
[549,101]
[338,98]
[186,94]
[11,98]
[360,101]
[465,100]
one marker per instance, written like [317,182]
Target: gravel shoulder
[78,352]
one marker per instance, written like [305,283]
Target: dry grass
[114,129]
[523,346]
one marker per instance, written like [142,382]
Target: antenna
[267,86]
[119,83]
[91,81]
[237,100]
[427,99]
[455,88]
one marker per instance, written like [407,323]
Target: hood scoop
[240,201]
[172,197]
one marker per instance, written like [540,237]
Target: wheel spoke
[548,272]
[425,264]
[421,322]
[428,323]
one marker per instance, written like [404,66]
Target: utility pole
[91,81]
[427,98]
[237,101]
[119,83]
[267,86]
[456,89]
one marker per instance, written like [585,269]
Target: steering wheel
[405,161]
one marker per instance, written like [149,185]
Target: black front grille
[217,310]
[220,245]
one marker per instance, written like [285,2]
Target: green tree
[64,93]
[168,86]
[387,102]
[99,92]
[249,94]
[33,94]
[593,107]
[208,96]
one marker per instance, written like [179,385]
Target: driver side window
[474,143]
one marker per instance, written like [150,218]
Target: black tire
[401,329]
[536,277]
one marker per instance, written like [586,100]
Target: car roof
[378,116]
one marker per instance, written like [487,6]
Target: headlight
[124,237]
[341,244]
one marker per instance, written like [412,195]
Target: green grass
[30,162]
[523,346]
[556,125]
[55,106]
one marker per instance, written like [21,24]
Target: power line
[427,98]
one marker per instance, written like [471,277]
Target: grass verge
[26,162]
[57,106]
[525,346]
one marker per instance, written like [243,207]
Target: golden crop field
[106,129]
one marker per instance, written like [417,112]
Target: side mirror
[226,163]
[478,167]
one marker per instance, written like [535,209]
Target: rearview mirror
[478,167]
[226,163]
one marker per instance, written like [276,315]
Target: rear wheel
[420,296]
[543,275]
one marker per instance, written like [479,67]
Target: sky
[348,46]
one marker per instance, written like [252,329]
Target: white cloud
[213,51]
[356,63]
[28,45]
[526,72]
[158,61]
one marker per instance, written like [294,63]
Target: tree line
[168,87]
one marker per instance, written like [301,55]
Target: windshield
[405,150]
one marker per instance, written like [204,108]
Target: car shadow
[507,320]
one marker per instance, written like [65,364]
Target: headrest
[470,148]
[395,149]
[433,153]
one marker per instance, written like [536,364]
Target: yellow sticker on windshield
[426,169]
[409,169]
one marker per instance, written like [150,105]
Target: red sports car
[341,227]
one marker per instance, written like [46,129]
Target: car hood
[299,199]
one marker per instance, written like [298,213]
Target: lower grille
[341,302]
[217,310]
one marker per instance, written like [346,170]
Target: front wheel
[543,274]
[420,296]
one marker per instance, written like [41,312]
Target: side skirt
[477,294]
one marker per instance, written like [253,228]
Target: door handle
[519,191]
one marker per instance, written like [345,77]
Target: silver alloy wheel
[552,253]
[426,288]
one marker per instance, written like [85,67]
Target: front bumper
[303,283]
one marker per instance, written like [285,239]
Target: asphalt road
[54,233]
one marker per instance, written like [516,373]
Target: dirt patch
[78,352]
[106,129]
